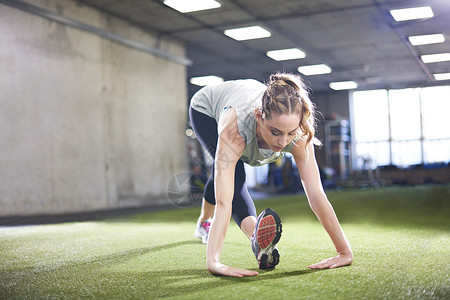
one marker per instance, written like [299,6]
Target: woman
[247,121]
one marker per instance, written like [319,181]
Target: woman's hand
[230,146]
[217,268]
[330,263]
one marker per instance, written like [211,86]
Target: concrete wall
[333,103]
[329,105]
[85,123]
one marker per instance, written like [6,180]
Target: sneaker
[265,237]
[202,230]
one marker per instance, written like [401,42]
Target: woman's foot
[265,237]
[202,230]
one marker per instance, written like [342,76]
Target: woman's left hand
[330,263]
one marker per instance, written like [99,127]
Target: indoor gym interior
[101,174]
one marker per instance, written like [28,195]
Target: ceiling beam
[402,37]
[286,16]
[215,29]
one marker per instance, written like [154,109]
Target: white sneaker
[202,230]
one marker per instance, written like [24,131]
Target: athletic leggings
[205,129]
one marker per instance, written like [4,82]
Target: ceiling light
[247,33]
[442,76]
[432,58]
[286,54]
[426,39]
[343,85]
[314,69]
[412,13]
[186,6]
[206,80]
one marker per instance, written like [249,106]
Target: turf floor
[400,238]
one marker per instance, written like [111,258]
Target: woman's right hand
[216,268]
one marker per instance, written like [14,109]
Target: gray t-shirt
[244,96]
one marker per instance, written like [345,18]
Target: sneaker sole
[268,235]
[269,230]
[198,234]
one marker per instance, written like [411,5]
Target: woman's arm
[309,174]
[229,149]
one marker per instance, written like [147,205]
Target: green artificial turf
[400,238]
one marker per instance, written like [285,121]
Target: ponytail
[287,94]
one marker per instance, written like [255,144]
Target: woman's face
[279,131]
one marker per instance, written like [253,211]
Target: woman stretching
[247,121]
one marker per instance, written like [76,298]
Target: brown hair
[287,94]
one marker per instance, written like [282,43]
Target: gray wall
[85,123]
[333,103]
[329,105]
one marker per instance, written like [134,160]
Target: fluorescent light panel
[206,80]
[433,58]
[247,33]
[343,85]
[426,39]
[412,13]
[286,54]
[186,6]
[314,69]
[442,76]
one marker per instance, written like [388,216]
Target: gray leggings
[205,129]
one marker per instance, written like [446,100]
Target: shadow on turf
[174,276]
[130,254]
[267,275]
[109,259]
[159,282]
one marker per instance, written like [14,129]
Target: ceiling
[358,39]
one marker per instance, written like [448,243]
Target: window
[401,127]
[436,112]
[404,109]
[372,108]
